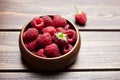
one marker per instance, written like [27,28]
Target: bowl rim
[53,58]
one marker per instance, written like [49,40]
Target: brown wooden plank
[61,76]
[101,15]
[99,50]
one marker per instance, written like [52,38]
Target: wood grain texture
[102,15]
[61,76]
[99,56]
[99,50]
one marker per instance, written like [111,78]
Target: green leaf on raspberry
[61,35]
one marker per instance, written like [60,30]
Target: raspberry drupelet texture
[47,21]
[52,50]
[67,48]
[61,29]
[50,29]
[41,53]
[32,46]
[71,36]
[37,23]
[59,21]
[30,34]
[44,40]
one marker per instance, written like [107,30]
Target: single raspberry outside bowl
[49,64]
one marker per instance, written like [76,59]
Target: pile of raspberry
[49,36]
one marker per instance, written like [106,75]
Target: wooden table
[99,56]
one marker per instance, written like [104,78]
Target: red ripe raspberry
[32,46]
[71,36]
[37,23]
[44,40]
[52,50]
[40,53]
[30,35]
[60,40]
[67,27]
[61,29]
[47,21]
[49,29]
[67,48]
[59,21]
[81,18]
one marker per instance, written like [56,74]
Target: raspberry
[67,48]
[40,53]
[67,27]
[47,21]
[59,21]
[60,40]
[44,40]
[37,23]
[81,18]
[30,35]
[71,36]
[50,29]
[32,46]
[49,38]
[52,50]
[61,29]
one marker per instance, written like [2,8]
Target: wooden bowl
[49,64]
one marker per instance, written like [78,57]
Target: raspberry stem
[76,9]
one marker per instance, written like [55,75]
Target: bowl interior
[28,25]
